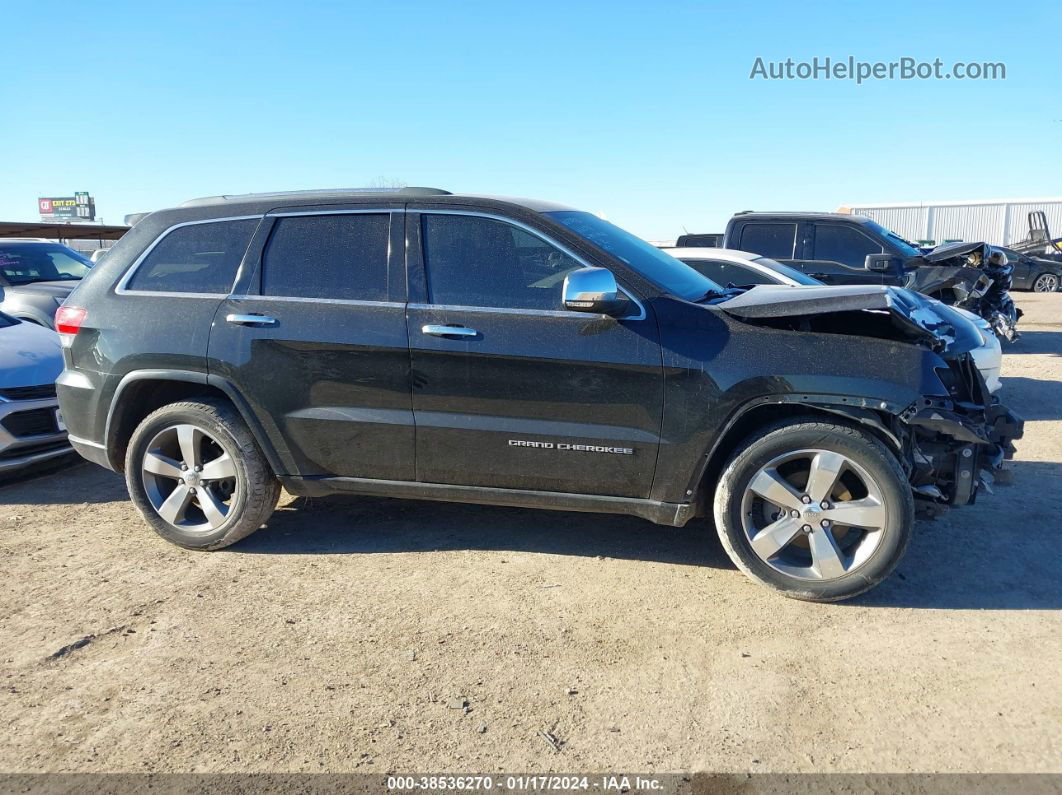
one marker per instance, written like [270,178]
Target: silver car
[31,428]
[37,276]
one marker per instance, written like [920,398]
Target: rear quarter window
[198,258]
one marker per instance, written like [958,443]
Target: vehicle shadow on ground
[1004,553]
[1036,342]
[341,524]
[1033,398]
[973,558]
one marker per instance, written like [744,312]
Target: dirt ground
[350,634]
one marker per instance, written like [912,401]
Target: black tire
[782,439]
[254,492]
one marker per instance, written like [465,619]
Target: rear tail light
[68,322]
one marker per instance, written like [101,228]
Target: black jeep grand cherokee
[467,348]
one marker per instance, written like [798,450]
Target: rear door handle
[251,320]
[448,331]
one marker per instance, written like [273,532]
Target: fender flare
[193,377]
[860,409]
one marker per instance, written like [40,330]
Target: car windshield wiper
[716,295]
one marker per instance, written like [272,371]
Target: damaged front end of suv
[956,437]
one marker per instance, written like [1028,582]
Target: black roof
[254,203]
[803,216]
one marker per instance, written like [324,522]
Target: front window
[843,244]
[904,246]
[661,269]
[476,261]
[29,262]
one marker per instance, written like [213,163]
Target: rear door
[774,239]
[523,394]
[838,255]
[315,339]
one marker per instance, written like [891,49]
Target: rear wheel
[818,511]
[196,474]
[1045,283]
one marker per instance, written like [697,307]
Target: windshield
[28,262]
[797,276]
[906,247]
[661,269]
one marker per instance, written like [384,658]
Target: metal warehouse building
[1000,221]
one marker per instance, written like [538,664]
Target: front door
[511,391]
[839,254]
[315,339]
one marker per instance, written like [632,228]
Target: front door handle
[448,331]
[251,320]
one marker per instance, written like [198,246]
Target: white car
[742,269]
[31,427]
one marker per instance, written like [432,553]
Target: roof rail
[234,197]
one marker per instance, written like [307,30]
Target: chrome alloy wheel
[189,478]
[1045,283]
[814,514]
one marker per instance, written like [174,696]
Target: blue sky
[641,111]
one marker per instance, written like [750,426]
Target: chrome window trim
[123,289]
[368,211]
[508,310]
[305,300]
[500,310]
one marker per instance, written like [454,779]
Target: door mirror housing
[592,290]
[879,262]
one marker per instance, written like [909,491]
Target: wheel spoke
[158,464]
[827,559]
[867,513]
[174,506]
[219,469]
[772,539]
[825,467]
[189,438]
[213,509]
[771,486]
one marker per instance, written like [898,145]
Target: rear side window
[328,257]
[198,258]
[769,240]
[844,244]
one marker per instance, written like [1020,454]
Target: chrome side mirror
[592,290]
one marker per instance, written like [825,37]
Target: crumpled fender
[967,283]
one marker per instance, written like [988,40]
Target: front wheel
[816,510]
[196,474]
[1045,283]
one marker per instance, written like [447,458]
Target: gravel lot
[351,634]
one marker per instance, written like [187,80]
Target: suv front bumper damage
[956,449]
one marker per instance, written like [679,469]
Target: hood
[952,250]
[57,289]
[870,311]
[30,355]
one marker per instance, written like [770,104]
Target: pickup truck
[837,248]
